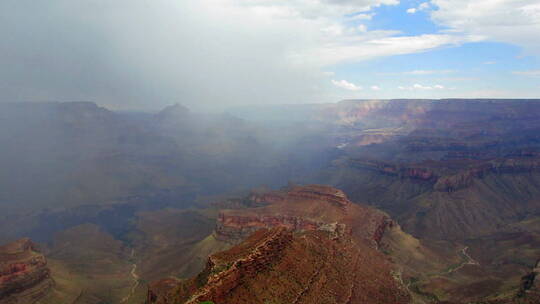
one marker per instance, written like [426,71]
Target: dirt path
[429,297]
[135,279]
[469,261]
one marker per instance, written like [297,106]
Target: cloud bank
[216,53]
[511,21]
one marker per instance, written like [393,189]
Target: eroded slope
[280,266]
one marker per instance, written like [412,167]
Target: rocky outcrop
[302,208]
[226,268]
[303,244]
[24,276]
[158,291]
[238,227]
[450,176]
[465,178]
[530,286]
[331,195]
[280,266]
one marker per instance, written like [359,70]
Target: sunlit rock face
[24,276]
[282,266]
[302,244]
[303,208]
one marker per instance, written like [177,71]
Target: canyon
[411,181]
[319,224]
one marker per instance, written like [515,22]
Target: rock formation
[303,244]
[24,276]
[303,208]
[530,286]
[282,266]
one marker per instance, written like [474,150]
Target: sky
[142,54]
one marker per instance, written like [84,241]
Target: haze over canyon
[361,201]
[270,152]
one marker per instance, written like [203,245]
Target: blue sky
[486,68]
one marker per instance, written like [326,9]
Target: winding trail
[421,297]
[135,279]
[469,261]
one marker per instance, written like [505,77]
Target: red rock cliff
[303,208]
[280,266]
[24,276]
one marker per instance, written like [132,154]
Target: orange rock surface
[304,208]
[280,266]
[305,244]
[24,276]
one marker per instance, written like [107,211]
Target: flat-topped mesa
[320,192]
[24,276]
[268,197]
[17,248]
[308,192]
[235,228]
[303,208]
[298,194]
[283,209]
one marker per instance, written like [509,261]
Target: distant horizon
[157,109]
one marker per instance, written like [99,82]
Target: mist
[257,151]
[148,54]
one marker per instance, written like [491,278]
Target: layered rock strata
[24,276]
[281,266]
[303,208]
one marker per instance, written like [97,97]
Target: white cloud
[423,6]
[258,50]
[375,88]
[324,35]
[375,44]
[361,28]
[527,73]
[360,17]
[314,9]
[516,21]
[344,84]
[489,62]
[246,50]
[420,87]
